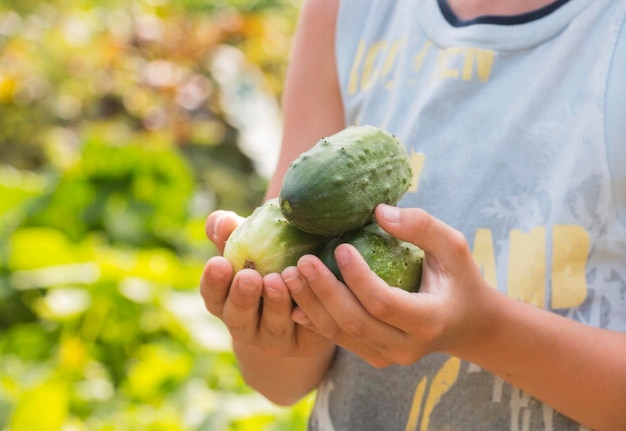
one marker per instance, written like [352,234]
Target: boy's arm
[312,106]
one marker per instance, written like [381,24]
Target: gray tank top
[515,127]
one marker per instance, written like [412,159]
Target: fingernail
[294,283]
[273,294]
[246,286]
[217,272]
[342,256]
[390,213]
[292,279]
[216,225]
[299,316]
[308,270]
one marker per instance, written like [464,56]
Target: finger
[372,356]
[444,243]
[276,328]
[215,284]
[299,291]
[343,319]
[241,309]
[219,225]
[391,305]
[386,304]
[306,326]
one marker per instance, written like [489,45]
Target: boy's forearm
[577,369]
[284,381]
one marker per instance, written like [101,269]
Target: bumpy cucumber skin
[397,262]
[268,243]
[334,187]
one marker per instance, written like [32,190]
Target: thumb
[415,225]
[219,225]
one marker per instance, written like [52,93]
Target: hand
[387,325]
[256,310]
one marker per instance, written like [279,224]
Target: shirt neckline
[526,17]
[497,32]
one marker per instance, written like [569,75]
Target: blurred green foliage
[122,125]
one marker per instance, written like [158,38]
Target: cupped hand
[387,325]
[255,309]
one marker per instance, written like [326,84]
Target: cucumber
[266,242]
[335,186]
[397,262]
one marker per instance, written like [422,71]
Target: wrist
[479,331]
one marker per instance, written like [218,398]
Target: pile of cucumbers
[327,198]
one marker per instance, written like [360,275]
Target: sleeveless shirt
[515,127]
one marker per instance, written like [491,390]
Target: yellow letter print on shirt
[560,252]
[374,62]
[423,407]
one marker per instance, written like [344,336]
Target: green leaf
[157,368]
[38,247]
[42,408]
[17,187]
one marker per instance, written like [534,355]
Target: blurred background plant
[122,125]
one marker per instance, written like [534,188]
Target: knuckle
[274,332]
[239,306]
[381,308]
[274,350]
[424,222]
[213,307]
[334,334]
[234,324]
[238,334]
[355,328]
[379,362]
[458,243]
[403,358]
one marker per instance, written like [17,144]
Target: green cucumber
[266,242]
[335,186]
[397,262]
